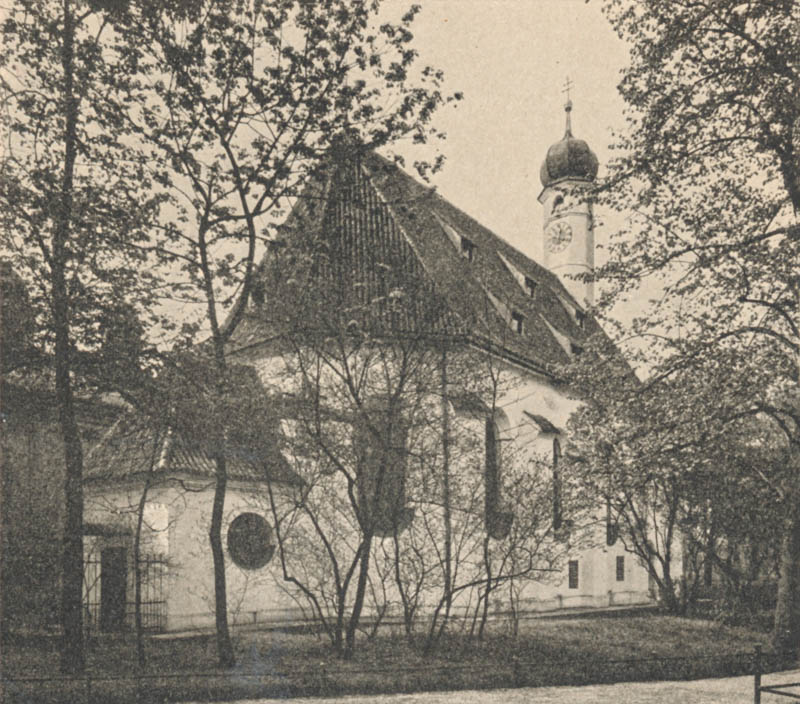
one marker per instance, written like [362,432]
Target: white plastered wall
[179,519]
[597,565]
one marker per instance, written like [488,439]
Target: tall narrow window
[498,521]
[621,568]
[530,286]
[573,574]
[557,516]
[612,529]
[580,318]
[380,442]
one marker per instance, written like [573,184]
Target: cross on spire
[568,85]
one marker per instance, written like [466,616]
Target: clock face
[558,237]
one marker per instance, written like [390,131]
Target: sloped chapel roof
[410,262]
[131,450]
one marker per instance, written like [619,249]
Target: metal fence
[153,573]
[782,690]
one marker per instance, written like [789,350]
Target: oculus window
[250,541]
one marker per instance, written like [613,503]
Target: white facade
[175,532]
[573,565]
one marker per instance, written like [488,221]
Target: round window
[250,541]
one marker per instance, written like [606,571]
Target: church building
[414,360]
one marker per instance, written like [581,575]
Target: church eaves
[127,453]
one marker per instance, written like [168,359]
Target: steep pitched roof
[131,450]
[416,264]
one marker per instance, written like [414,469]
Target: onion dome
[570,158]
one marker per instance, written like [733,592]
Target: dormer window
[580,318]
[517,322]
[530,286]
[467,249]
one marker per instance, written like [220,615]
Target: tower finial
[568,84]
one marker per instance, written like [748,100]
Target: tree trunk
[73,658]
[224,647]
[137,543]
[225,654]
[485,611]
[448,528]
[358,604]
[137,570]
[786,634]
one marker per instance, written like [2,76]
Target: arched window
[498,521]
[380,438]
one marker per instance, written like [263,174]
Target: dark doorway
[113,585]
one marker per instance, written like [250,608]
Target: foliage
[679,459]
[708,181]
[412,504]
[75,202]
[235,106]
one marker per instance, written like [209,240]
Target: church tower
[567,172]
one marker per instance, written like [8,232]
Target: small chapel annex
[389,259]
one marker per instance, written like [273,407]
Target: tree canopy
[707,181]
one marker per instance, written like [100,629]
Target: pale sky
[511,59]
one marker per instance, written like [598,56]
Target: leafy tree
[18,322]
[408,499]
[236,106]
[227,110]
[709,178]
[74,198]
[650,451]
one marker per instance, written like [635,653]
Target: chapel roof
[380,234]
[131,449]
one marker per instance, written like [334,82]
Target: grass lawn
[548,651]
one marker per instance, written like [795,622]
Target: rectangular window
[517,322]
[573,574]
[467,248]
[530,286]
[621,568]
[580,318]
[575,349]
